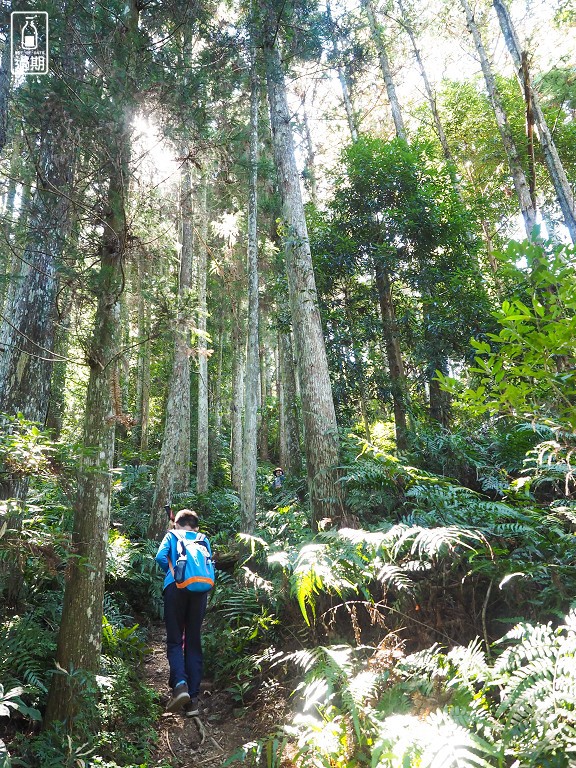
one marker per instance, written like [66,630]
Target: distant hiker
[184,609]
[278,478]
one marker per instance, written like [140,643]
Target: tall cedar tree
[320,428]
[79,637]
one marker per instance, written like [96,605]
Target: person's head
[278,471]
[187,519]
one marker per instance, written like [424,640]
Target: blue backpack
[194,567]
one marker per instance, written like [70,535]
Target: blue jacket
[167,549]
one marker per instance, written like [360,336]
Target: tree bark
[551,157]
[320,427]
[171,476]
[237,405]
[143,365]
[27,332]
[79,637]
[290,454]
[385,69]
[394,355]
[431,98]
[4,90]
[57,402]
[310,157]
[251,376]
[218,382]
[350,113]
[263,448]
[202,446]
[518,176]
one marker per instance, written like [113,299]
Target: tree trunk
[171,476]
[386,69]
[551,157]
[394,355]
[79,637]
[218,383]
[518,176]
[320,427]
[27,329]
[359,378]
[290,454]
[237,405]
[431,98]
[143,366]
[27,333]
[57,402]
[202,450]
[310,157]
[4,90]
[185,288]
[263,449]
[251,376]
[350,114]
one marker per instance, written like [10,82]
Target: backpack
[194,567]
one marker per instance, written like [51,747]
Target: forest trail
[190,742]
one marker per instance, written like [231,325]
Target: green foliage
[219,511]
[528,369]
[10,701]
[128,711]
[24,449]
[132,576]
[123,642]
[27,648]
[241,618]
[371,706]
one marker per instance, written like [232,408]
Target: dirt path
[208,740]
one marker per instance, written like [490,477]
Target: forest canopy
[308,269]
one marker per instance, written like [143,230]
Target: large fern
[26,653]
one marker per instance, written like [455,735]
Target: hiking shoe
[180,697]
[192,709]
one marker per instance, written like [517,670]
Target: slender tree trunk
[27,328]
[360,376]
[27,332]
[350,113]
[395,362]
[202,451]
[263,449]
[431,98]
[57,402]
[290,454]
[310,156]
[551,157]
[218,382]
[251,377]
[143,366]
[4,90]
[518,176]
[186,286]
[386,69]
[79,637]
[320,427]
[171,476]
[237,406]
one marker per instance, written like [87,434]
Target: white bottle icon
[29,34]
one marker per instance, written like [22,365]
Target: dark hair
[186,517]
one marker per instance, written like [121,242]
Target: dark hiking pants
[183,615]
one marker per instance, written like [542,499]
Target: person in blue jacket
[183,616]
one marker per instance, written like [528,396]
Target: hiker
[183,615]
[278,478]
